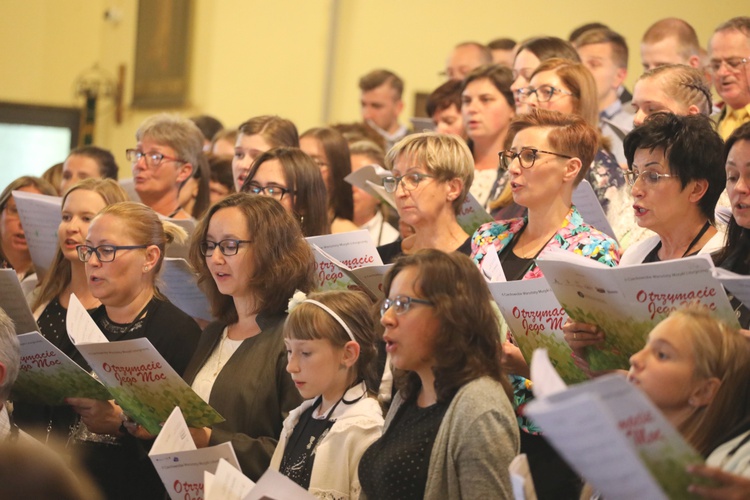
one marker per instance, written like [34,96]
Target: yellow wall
[253,57]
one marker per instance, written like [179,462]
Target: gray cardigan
[474,446]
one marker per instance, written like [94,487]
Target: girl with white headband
[331,354]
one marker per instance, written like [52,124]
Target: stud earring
[145,269]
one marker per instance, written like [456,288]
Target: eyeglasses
[410,182]
[105,253]
[526,157]
[402,303]
[544,93]
[275,192]
[650,177]
[226,247]
[733,64]
[153,160]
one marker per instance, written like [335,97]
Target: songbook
[179,285]
[535,317]
[14,303]
[47,376]
[180,465]
[136,375]
[612,435]
[590,208]
[353,249]
[230,484]
[40,216]
[627,302]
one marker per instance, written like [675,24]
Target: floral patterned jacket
[575,236]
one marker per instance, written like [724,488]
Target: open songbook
[230,484]
[136,375]
[626,302]
[347,261]
[181,466]
[40,215]
[612,435]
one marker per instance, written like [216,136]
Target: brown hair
[568,134]
[581,84]
[684,84]
[281,260]
[310,322]
[378,77]
[336,149]
[58,275]
[687,38]
[445,156]
[144,227]
[467,344]
[721,352]
[445,96]
[603,35]
[500,76]
[548,47]
[502,44]
[302,177]
[275,130]
[108,168]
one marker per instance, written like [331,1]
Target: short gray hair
[10,354]
[178,133]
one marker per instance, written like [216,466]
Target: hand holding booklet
[626,302]
[612,435]
[136,375]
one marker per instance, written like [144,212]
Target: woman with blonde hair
[673,88]
[432,174]
[123,252]
[256,136]
[66,276]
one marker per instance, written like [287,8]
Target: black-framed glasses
[733,64]
[153,160]
[105,253]
[543,93]
[526,157]
[227,247]
[649,177]
[272,191]
[401,303]
[409,181]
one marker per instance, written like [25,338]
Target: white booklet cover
[181,466]
[612,435]
[40,216]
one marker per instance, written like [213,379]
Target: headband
[300,298]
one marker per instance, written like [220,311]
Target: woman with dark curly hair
[250,256]
[443,335]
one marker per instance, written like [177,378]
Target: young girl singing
[330,342]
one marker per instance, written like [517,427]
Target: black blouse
[396,465]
